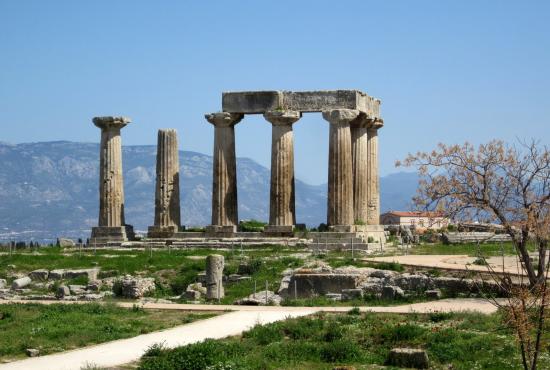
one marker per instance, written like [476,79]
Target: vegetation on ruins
[508,185]
[458,341]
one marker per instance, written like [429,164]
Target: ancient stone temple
[353,180]
[353,201]
[167,190]
[111,223]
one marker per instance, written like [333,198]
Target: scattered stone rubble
[22,286]
[136,287]
[350,282]
[263,298]
[194,292]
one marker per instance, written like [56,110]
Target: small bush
[354,311]
[198,356]
[340,351]
[440,316]
[334,332]
[401,332]
[264,335]
[480,261]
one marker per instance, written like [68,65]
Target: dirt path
[452,262]
[233,323]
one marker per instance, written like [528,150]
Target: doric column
[340,181]
[167,191]
[282,214]
[373,196]
[224,186]
[111,224]
[359,155]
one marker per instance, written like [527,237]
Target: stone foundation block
[162,231]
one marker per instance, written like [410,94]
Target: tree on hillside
[510,186]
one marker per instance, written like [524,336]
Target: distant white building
[420,220]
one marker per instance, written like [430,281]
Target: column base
[224,231]
[162,231]
[342,228]
[376,232]
[104,234]
[279,230]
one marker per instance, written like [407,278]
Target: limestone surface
[20,283]
[167,191]
[282,211]
[214,276]
[224,186]
[409,358]
[111,223]
[340,180]
[251,102]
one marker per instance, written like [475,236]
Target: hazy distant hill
[50,189]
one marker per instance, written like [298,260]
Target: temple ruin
[353,207]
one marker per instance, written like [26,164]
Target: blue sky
[445,71]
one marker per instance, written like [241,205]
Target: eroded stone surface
[251,102]
[282,210]
[167,191]
[224,186]
[214,276]
[409,358]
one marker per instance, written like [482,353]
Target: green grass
[459,341]
[60,327]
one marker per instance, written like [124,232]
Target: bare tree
[493,183]
[510,186]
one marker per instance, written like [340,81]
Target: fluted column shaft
[167,192]
[111,186]
[340,181]
[224,186]
[359,154]
[282,211]
[373,195]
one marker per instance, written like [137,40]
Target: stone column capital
[111,122]
[224,119]
[282,118]
[362,121]
[376,124]
[337,116]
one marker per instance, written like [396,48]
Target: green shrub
[440,316]
[264,335]
[401,332]
[291,352]
[334,332]
[306,328]
[354,311]
[480,261]
[197,356]
[341,350]
[186,275]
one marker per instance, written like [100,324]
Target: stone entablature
[256,102]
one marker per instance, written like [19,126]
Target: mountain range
[50,189]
